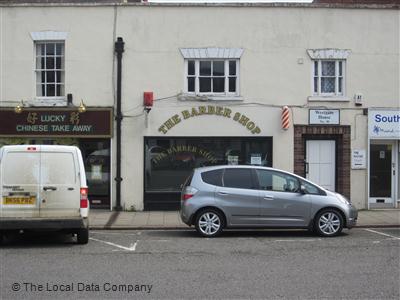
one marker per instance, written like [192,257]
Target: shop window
[169,161]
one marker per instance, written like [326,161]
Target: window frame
[40,83]
[197,76]
[318,92]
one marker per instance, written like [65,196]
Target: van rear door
[60,183]
[20,175]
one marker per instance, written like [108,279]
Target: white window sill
[329,98]
[192,97]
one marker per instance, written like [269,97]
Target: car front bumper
[352,219]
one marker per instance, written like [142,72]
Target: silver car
[218,197]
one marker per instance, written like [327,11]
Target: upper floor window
[212,76]
[49,65]
[328,74]
[212,72]
[50,69]
[329,77]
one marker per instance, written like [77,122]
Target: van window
[213,177]
[238,178]
[58,168]
[21,168]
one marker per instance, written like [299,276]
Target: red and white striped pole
[285,118]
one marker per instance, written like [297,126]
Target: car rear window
[238,178]
[212,177]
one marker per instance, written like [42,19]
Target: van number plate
[30,200]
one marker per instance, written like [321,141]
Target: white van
[43,187]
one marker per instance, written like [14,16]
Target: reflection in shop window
[169,161]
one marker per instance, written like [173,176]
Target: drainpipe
[119,49]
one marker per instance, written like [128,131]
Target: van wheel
[82,236]
[328,223]
[209,223]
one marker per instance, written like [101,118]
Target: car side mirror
[303,189]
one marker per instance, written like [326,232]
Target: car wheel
[82,236]
[329,222]
[209,223]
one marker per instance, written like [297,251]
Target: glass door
[96,157]
[381,183]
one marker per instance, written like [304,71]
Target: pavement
[104,219]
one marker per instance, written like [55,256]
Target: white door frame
[394,170]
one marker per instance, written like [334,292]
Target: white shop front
[384,158]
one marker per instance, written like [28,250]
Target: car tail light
[31,148]
[188,193]
[84,197]
[187,196]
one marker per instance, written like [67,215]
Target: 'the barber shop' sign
[223,112]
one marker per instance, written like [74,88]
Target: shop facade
[91,131]
[217,97]
[384,158]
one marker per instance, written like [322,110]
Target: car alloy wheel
[209,223]
[329,223]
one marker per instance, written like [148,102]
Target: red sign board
[54,122]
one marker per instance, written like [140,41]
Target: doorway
[382,174]
[321,162]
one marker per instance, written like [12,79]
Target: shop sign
[384,124]
[358,159]
[210,110]
[324,116]
[54,122]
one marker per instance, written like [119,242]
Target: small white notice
[358,159]
[256,159]
[96,172]
[233,160]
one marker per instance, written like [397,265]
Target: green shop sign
[223,112]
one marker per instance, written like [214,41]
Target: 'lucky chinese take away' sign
[56,122]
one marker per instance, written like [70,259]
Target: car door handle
[268,197]
[223,193]
[49,188]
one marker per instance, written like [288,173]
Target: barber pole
[285,118]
